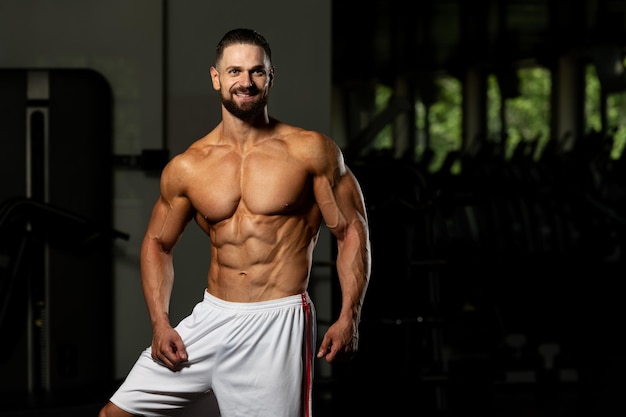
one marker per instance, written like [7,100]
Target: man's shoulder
[300,135]
[317,151]
[192,155]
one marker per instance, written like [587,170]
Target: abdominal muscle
[258,258]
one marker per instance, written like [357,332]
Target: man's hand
[168,348]
[340,343]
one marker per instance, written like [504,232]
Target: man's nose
[247,80]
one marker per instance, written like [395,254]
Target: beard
[247,111]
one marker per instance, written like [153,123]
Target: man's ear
[215,78]
[271,75]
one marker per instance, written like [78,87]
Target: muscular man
[260,189]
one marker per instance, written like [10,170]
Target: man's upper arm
[338,192]
[172,210]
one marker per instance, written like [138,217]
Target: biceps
[168,221]
[342,205]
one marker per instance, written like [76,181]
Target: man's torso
[257,205]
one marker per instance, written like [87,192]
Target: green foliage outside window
[384,139]
[527,117]
[616,119]
[615,108]
[445,119]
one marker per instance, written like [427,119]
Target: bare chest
[257,183]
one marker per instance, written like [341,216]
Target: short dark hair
[243,36]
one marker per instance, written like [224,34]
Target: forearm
[157,280]
[353,269]
[341,340]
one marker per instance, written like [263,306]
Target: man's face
[243,78]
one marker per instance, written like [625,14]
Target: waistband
[290,301]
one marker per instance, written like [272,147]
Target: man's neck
[245,130]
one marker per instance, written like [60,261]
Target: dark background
[495,291]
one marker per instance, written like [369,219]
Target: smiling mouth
[246,92]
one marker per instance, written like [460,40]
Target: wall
[156,56]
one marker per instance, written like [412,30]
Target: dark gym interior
[494,291]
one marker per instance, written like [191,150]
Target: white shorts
[256,358]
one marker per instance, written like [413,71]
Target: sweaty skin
[260,189]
